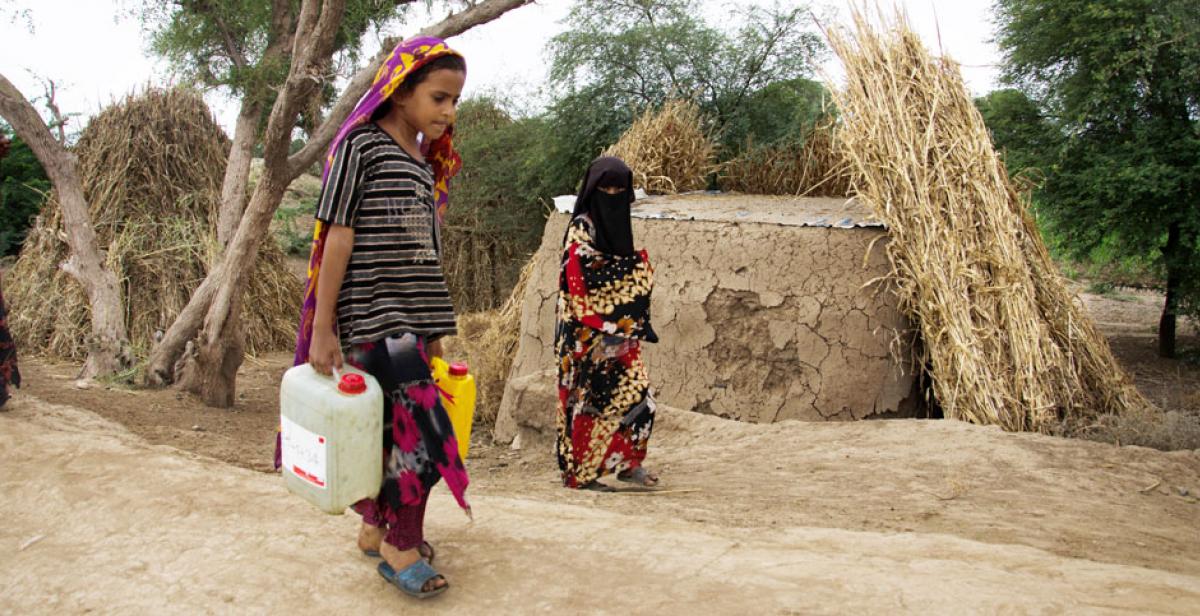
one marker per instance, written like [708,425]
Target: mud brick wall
[764,314]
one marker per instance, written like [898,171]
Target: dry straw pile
[151,168]
[481,264]
[1004,341]
[488,340]
[669,149]
[812,166]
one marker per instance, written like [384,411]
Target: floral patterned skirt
[419,446]
[605,408]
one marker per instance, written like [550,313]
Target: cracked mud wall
[758,322]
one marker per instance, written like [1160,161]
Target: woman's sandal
[640,476]
[413,578]
[425,550]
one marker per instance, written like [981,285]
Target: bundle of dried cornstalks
[811,166]
[1005,343]
[669,150]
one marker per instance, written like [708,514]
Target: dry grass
[488,340]
[1169,431]
[481,265]
[1005,341]
[151,168]
[669,149]
[812,166]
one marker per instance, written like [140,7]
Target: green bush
[23,189]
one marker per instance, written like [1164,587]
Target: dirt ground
[1129,318]
[879,516]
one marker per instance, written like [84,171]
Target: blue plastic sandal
[412,579]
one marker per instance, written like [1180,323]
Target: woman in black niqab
[605,406]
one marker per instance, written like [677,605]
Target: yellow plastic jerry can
[458,397]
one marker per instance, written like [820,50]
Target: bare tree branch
[233,187]
[57,121]
[235,52]
[237,170]
[283,31]
[316,30]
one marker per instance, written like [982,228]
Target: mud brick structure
[765,307]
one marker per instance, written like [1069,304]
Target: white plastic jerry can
[331,436]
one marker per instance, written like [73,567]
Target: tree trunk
[497,272]
[1166,324]
[211,365]
[237,172]
[209,370]
[160,368]
[108,347]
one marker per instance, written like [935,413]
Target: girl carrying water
[605,409]
[376,294]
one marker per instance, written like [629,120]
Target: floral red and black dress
[605,407]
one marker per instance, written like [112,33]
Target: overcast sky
[96,52]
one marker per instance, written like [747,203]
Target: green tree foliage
[1025,137]
[580,124]
[225,43]
[620,56]
[778,111]
[1123,81]
[218,43]
[23,189]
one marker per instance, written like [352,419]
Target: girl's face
[612,190]
[430,107]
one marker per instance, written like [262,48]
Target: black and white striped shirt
[394,281]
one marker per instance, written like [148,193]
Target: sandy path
[129,527]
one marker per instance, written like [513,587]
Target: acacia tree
[619,56]
[204,341]
[1122,81]
[646,50]
[1020,130]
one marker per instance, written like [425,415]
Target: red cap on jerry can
[352,384]
[459,369]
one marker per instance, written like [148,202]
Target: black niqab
[609,213]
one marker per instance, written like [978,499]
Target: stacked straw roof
[668,149]
[810,166]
